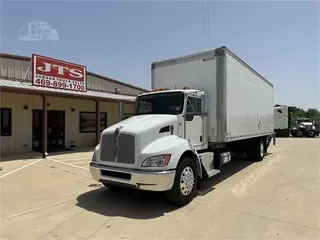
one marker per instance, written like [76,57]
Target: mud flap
[274,138]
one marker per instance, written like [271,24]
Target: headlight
[157,161]
[94,157]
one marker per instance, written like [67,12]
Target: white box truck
[204,107]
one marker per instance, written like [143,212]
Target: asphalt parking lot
[56,198]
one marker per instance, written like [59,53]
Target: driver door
[194,121]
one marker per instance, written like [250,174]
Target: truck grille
[107,148]
[125,152]
[309,127]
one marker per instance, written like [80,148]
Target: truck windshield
[160,103]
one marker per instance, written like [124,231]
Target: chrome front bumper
[143,180]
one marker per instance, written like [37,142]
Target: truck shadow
[146,205]
[125,203]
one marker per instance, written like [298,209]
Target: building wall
[21,139]
[18,69]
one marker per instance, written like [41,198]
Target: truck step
[213,172]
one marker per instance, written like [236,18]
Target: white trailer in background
[282,121]
[204,106]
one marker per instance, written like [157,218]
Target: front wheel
[185,183]
[299,133]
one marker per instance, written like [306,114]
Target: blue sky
[120,39]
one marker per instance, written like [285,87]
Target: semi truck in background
[204,107]
[303,127]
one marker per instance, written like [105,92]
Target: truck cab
[186,105]
[144,151]
[304,127]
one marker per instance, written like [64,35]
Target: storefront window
[88,122]
[6,127]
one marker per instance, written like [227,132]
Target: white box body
[239,100]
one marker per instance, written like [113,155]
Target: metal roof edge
[62,94]
[14,86]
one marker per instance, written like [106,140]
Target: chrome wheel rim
[187,181]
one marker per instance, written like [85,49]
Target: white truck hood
[307,123]
[146,129]
[140,123]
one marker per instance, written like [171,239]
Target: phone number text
[59,84]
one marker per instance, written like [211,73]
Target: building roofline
[15,86]
[24,58]
[61,95]
[98,91]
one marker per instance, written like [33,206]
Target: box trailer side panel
[196,71]
[249,101]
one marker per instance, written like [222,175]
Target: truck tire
[311,134]
[185,183]
[299,133]
[257,152]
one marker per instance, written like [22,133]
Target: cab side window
[193,108]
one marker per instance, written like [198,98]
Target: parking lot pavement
[277,198]
[77,160]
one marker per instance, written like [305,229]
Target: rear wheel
[257,151]
[311,134]
[185,183]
